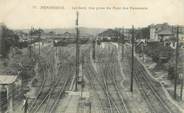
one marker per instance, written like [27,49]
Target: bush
[159,52]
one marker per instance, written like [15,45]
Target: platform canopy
[7,79]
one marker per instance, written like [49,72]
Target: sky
[21,14]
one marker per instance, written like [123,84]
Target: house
[159,32]
[172,42]
[167,34]
[181,37]
[164,34]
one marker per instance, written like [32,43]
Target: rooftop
[7,79]
[165,32]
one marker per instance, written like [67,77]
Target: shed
[6,97]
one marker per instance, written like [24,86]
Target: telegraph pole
[142,49]
[77,51]
[119,37]
[56,51]
[132,70]
[94,43]
[82,81]
[142,46]
[181,91]
[176,66]
[122,39]
[30,51]
[39,40]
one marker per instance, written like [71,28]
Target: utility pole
[181,91]
[132,66]
[77,51]
[39,40]
[142,49]
[56,51]
[119,37]
[122,49]
[30,51]
[82,81]
[32,45]
[142,46]
[176,66]
[94,43]
[89,107]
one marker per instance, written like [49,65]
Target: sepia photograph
[87,56]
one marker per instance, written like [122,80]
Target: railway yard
[87,56]
[103,84]
[72,73]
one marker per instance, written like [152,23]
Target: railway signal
[132,66]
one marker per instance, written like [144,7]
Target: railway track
[109,78]
[112,102]
[150,90]
[104,72]
[52,104]
[46,68]
[94,81]
[34,102]
[90,74]
[93,86]
[158,104]
[51,97]
[117,90]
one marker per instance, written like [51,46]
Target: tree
[142,33]
[36,32]
[9,39]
